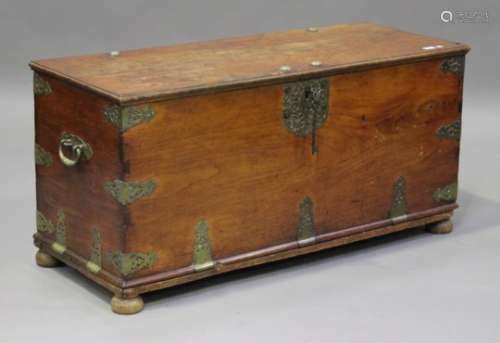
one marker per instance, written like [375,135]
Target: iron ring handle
[79,148]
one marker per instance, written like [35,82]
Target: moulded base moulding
[126,299]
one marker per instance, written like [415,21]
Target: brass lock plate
[305,107]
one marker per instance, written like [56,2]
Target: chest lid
[203,67]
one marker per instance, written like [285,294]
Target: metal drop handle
[80,150]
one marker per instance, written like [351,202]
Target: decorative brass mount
[40,86]
[128,192]
[94,263]
[42,157]
[305,228]
[450,131]
[125,118]
[128,263]
[59,245]
[305,107]
[45,225]
[447,193]
[202,255]
[398,212]
[454,65]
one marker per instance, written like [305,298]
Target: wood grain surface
[165,72]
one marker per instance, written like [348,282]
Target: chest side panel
[229,170]
[74,210]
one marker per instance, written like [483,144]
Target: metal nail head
[285,68]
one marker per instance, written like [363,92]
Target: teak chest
[160,166]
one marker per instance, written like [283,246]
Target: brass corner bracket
[59,245]
[202,255]
[94,264]
[447,194]
[127,117]
[42,156]
[305,228]
[129,263]
[305,107]
[454,65]
[45,225]
[128,192]
[40,86]
[398,212]
[450,131]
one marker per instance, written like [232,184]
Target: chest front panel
[260,169]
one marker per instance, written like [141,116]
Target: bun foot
[445,226]
[46,261]
[127,306]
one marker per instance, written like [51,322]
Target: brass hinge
[40,86]
[94,263]
[447,193]
[455,65]
[450,131]
[202,255]
[125,118]
[128,263]
[42,157]
[305,228]
[59,246]
[398,212]
[305,107]
[128,192]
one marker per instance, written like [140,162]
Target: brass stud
[285,68]
[114,53]
[316,63]
[312,29]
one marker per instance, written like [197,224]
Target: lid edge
[458,49]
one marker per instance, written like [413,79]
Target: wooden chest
[160,166]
